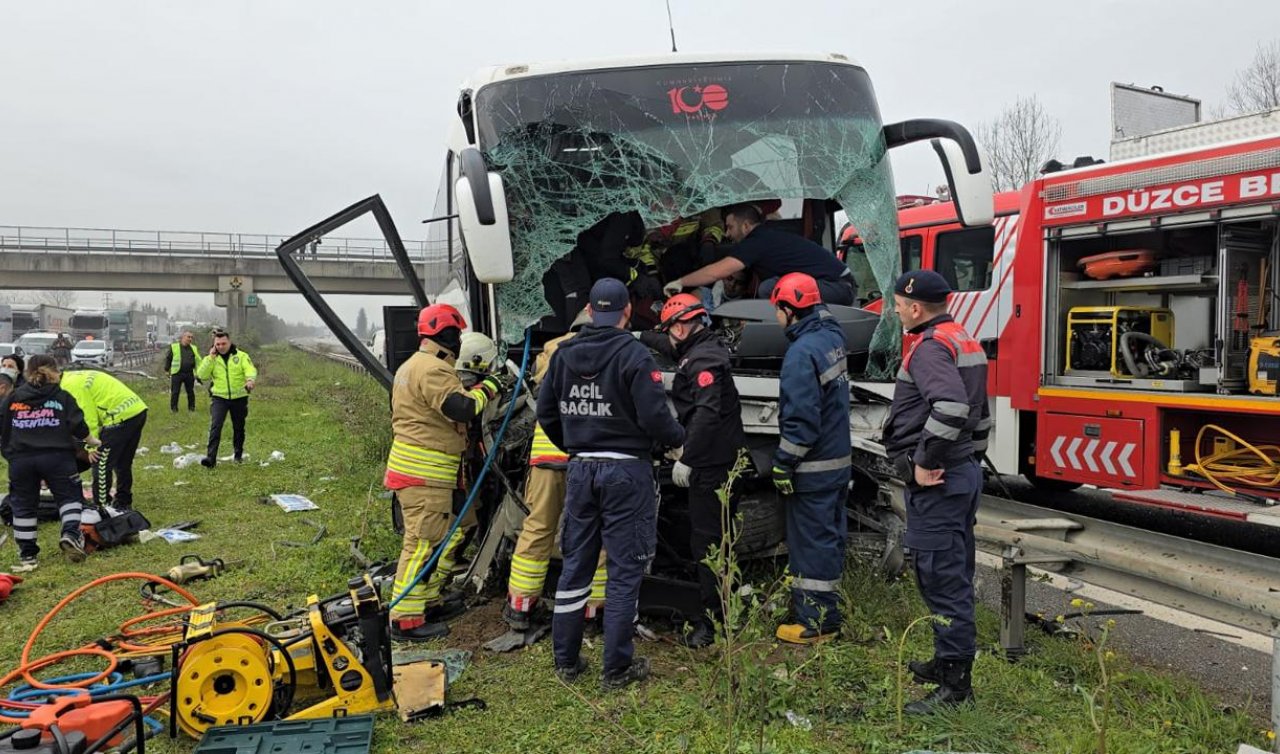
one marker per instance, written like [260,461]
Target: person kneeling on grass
[41,427]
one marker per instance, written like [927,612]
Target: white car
[93,353]
[8,349]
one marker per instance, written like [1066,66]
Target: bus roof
[521,70]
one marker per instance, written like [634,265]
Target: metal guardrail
[203,244]
[1235,587]
[345,359]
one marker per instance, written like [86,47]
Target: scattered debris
[171,449]
[181,483]
[799,721]
[514,639]
[320,532]
[232,457]
[327,479]
[275,456]
[186,459]
[176,535]
[152,467]
[143,450]
[294,503]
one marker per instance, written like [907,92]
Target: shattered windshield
[673,142]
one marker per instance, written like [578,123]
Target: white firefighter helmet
[477,353]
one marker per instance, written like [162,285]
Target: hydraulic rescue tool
[335,656]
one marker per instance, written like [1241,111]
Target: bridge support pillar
[233,291]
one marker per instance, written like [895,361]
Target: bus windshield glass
[89,322]
[671,142]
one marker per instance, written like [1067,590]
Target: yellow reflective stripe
[542,444]
[528,576]
[422,462]
[598,581]
[444,567]
[414,601]
[480,397]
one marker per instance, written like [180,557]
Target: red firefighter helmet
[681,307]
[432,319]
[796,289]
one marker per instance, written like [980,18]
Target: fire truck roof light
[1187,171]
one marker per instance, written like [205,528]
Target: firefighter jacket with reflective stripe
[174,362]
[940,413]
[227,374]
[104,400]
[543,452]
[427,445]
[704,396]
[603,393]
[813,404]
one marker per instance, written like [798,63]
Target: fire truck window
[963,257]
[911,250]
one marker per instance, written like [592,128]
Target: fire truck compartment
[1200,447]
[1195,313]
[1097,450]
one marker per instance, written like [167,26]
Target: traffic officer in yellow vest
[231,376]
[115,415]
[180,362]
[430,411]
[544,491]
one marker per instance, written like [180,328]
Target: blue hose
[475,486]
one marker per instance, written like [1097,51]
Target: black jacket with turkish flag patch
[705,398]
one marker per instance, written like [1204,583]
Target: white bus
[540,157]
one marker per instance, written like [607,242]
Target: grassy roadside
[330,424]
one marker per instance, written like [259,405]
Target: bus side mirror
[962,161]
[970,191]
[482,213]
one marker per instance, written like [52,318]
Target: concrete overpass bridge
[138,260]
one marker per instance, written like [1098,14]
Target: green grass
[331,422]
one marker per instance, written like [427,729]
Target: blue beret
[923,285]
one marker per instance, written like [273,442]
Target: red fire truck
[1130,313]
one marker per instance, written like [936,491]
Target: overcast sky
[261,116]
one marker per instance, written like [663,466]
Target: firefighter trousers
[816,531]
[428,514]
[611,503]
[544,492]
[940,523]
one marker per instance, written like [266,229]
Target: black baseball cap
[609,300]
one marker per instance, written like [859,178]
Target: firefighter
[430,411]
[811,466]
[602,401]
[936,430]
[115,415]
[706,403]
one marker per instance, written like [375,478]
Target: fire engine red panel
[1090,449]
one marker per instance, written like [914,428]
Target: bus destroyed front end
[588,158]
[567,177]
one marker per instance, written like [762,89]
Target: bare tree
[56,298]
[1257,86]
[1018,142]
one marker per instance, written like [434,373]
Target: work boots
[926,672]
[417,629]
[636,672]
[518,620]
[954,688]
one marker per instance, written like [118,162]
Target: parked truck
[158,329]
[90,324]
[128,329]
[47,317]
